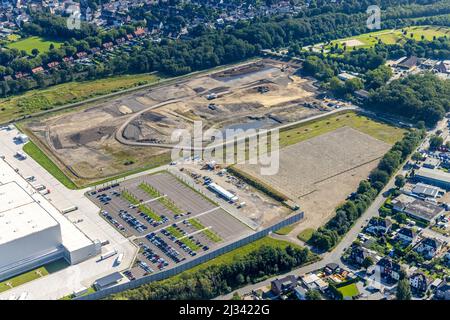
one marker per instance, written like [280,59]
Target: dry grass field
[321,172]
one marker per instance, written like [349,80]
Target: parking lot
[167,220]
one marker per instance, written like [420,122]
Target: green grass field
[378,130]
[284,231]
[395,36]
[40,157]
[72,92]
[30,43]
[305,235]
[32,275]
[349,291]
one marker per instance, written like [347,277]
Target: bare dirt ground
[321,172]
[258,207]
[353,43]
[261,94]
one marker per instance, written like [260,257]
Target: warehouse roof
[424,189]
[417,208]
[18,197]
[433,174]
[20,215]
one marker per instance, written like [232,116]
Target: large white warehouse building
[32,231]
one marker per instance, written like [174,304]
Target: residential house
[81,54]
[37,70]
[443,290]
[332,268]
[429,247]
[139,32]
[406,235]
[447,258]
[378,226]
[300,292]
[389,269]
[419,282]
[283,285]
[358,254]
[53,64]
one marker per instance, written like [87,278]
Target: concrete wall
[192,263]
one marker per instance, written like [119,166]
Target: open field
[395,36]
[28,44]
[46,99]
[319,173]
[262,94]
[378,130]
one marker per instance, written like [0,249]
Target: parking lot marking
[181,221]
[148,201]
[194,233]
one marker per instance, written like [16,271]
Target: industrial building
[223,192]
[416,208]
[427,191]
[434,177]
[32,231]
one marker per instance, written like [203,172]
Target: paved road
[336,253]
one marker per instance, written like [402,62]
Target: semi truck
[108,255]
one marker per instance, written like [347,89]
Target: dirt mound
[90,135]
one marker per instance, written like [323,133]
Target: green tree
[403,290]
[436,142]
[313,295]
[367,262]
[399,181]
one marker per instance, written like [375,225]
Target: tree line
[205,48]
[422,97]
[214,280]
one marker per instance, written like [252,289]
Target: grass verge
[284,231]
[40,157]
[46,99]
[305,235]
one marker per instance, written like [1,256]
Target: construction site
[134,131]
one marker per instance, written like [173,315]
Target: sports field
[395,36]
[30,43]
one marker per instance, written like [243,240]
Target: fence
[190,264]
